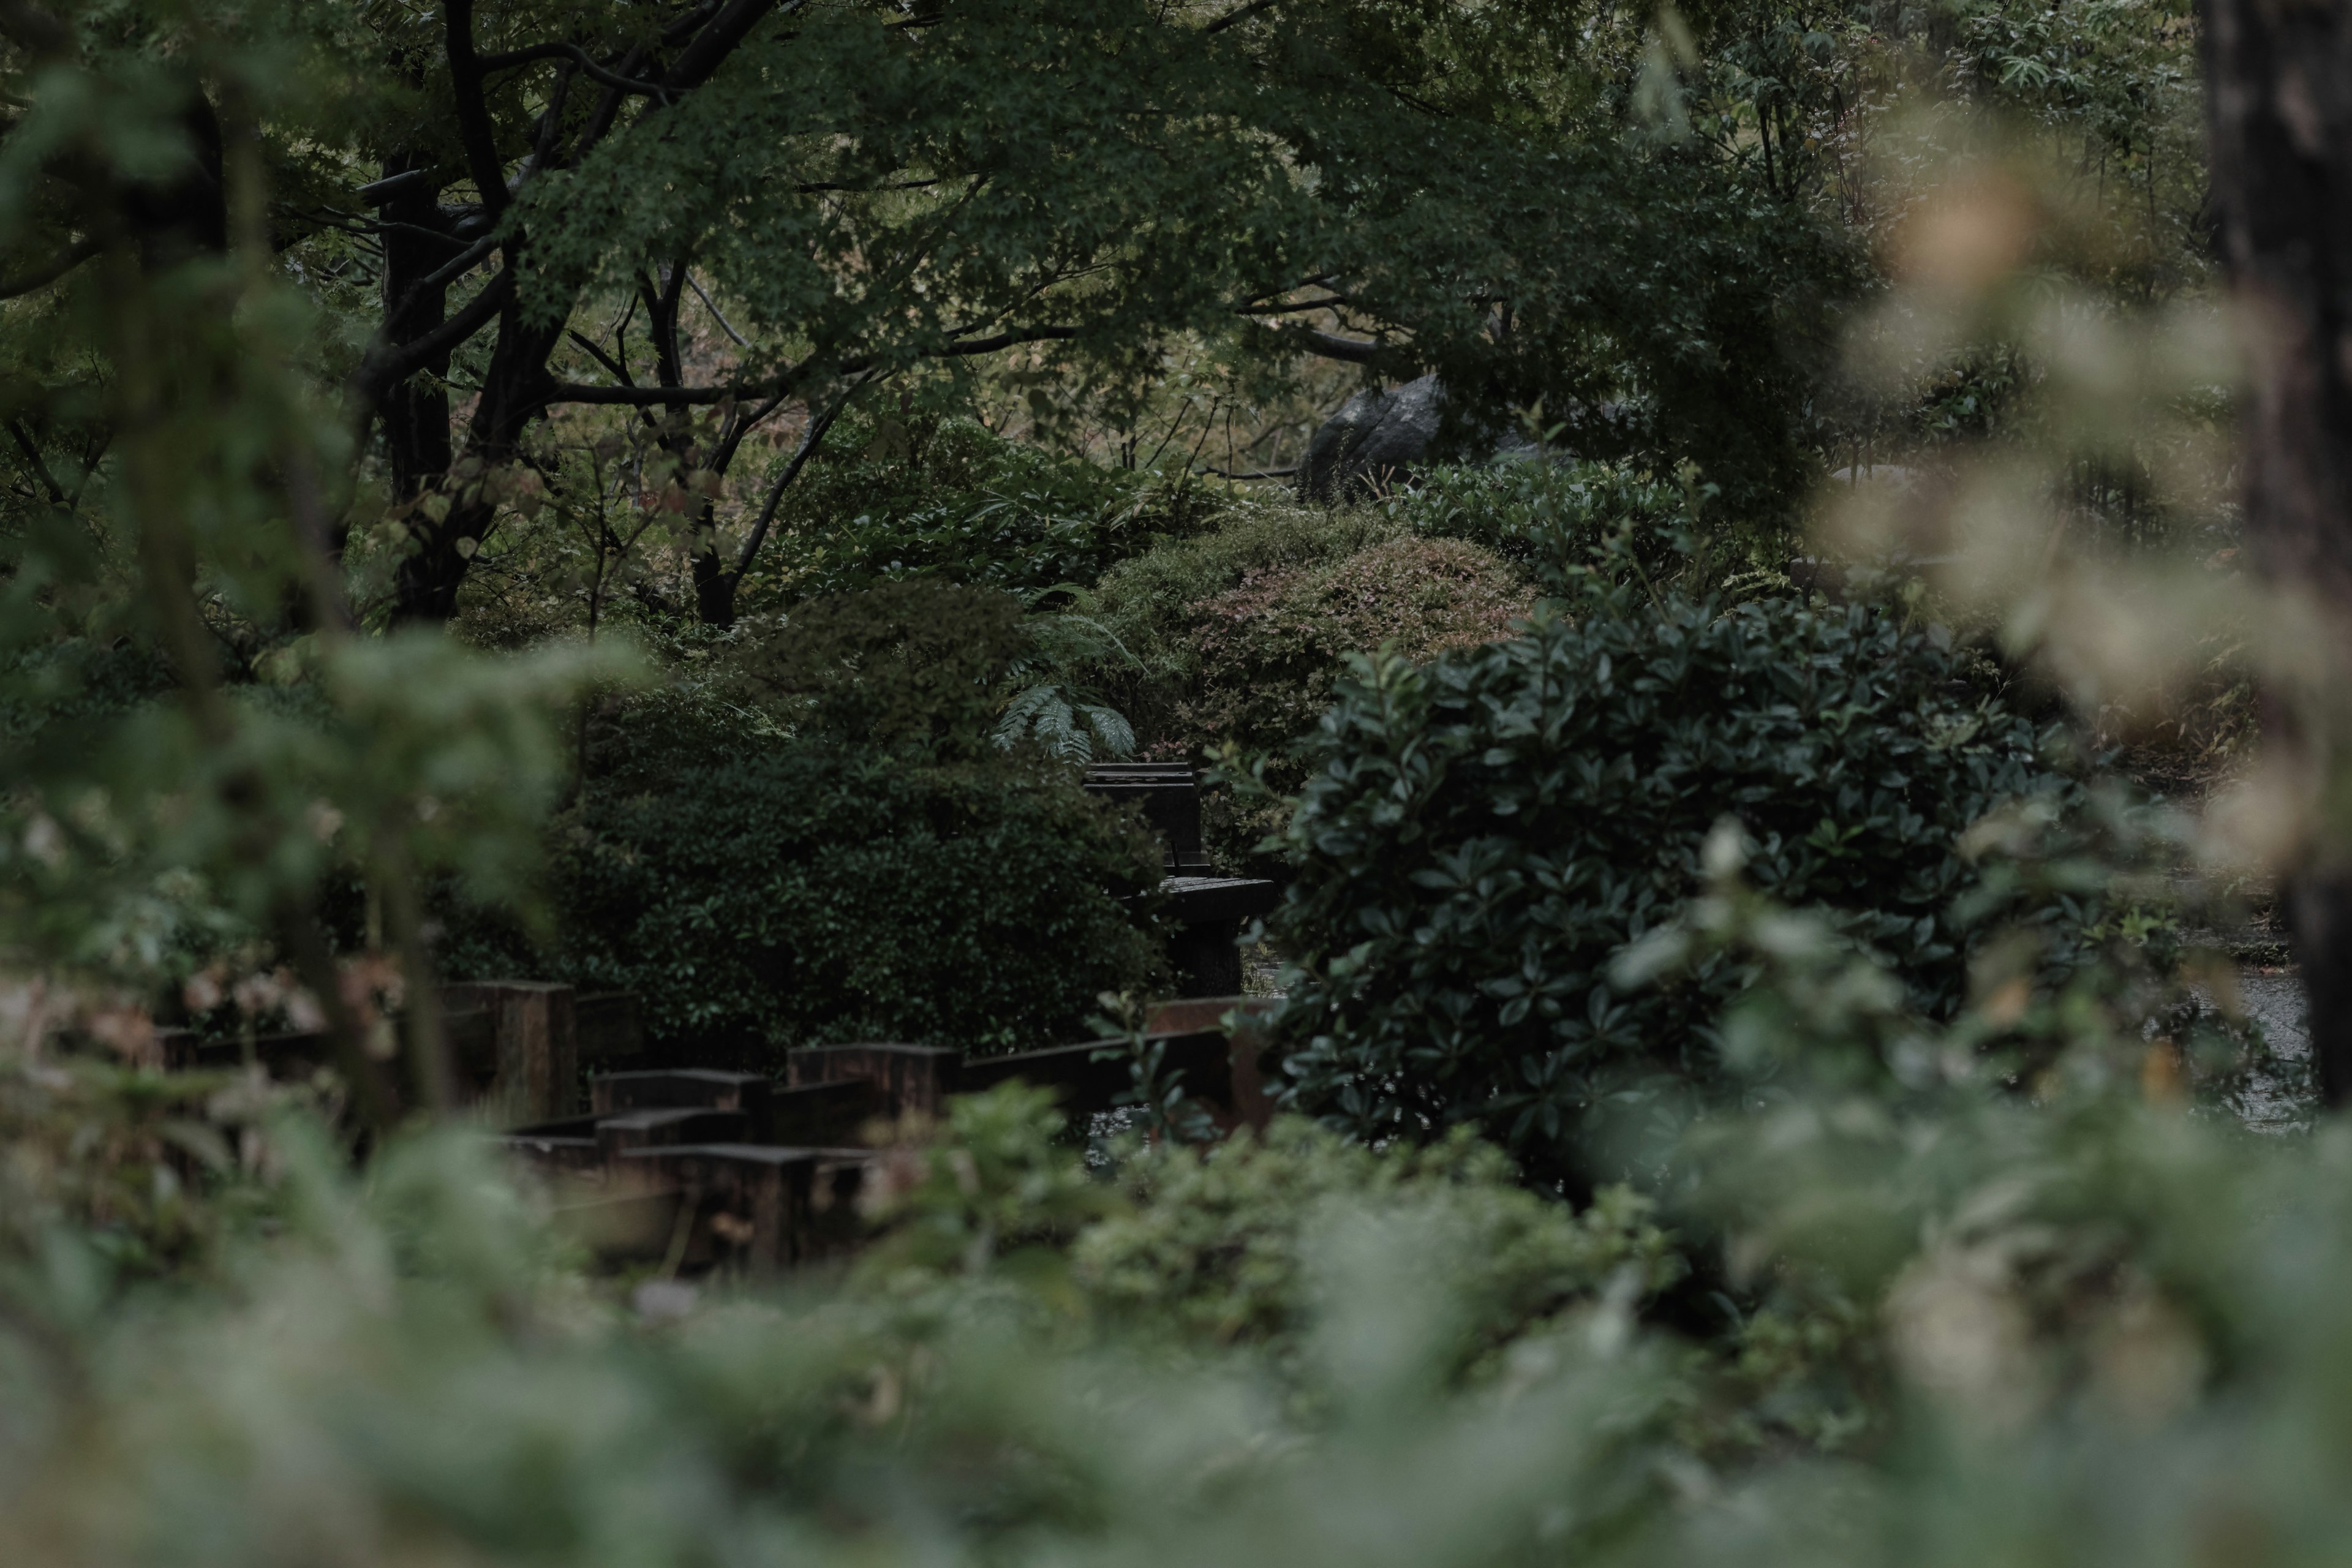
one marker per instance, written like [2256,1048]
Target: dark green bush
[1547,518]
[1270,650]
[952,501]
[1486,834]
[799,894]
[902,666]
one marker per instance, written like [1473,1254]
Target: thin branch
[653,397]
[1290,472]
[817,425]
[579,57]
[724,324]
[379,374]
[1353,350]
[1324,303]
[620,372]
[1008,339]
[40,465]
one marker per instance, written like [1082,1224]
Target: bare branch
[380,372]
[1324,303]
[618,371]
[724,324]
[1007,339]
[810,438]
[39,465]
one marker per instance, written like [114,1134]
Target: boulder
[1374,438]
[1377,438]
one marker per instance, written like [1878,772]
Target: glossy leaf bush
[1485,834]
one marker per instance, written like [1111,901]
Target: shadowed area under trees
[643,642]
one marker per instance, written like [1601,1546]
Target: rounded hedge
[1483,834]
[798,894]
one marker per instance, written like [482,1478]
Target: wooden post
[534,1052]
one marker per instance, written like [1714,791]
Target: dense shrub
[797,894]
[1270,650]
[1549,518]
[1483,835]
[952,501]
[1237,635]
[902,666]
[1147,603]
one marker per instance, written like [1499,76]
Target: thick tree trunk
[416,413]
[514,392]
[2279,77]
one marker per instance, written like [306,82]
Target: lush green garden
[671,498]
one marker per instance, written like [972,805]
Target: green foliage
[1555,521]
[903,665]
[1218,1245]
[1483,836]
[795,894]
[950,501]
[1270,649]
[1146,602]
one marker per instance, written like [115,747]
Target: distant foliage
[1482,835]
[1547,518]
[900,665]
[799,894]
[948,501]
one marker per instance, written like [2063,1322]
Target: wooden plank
[1088,1084]
[910,1078]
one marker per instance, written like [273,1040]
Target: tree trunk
[2279,90]
[416,413]
[514,392]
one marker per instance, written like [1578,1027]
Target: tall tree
[2280,89]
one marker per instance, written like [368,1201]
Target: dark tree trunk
[514,392]
[2279,80]
[416,413]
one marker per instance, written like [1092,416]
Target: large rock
[1372,440]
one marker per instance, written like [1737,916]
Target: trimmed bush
[798,895]
[1270,650]
[1485,834]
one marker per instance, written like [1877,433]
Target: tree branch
[40,465]
[725,325]
[620,372]
[379,374]
[1353,350]
[475,131]
[1239,14]
[818,425]
[579,57]
[1007,339]
[1324,303]
[718,39]
[41,274]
